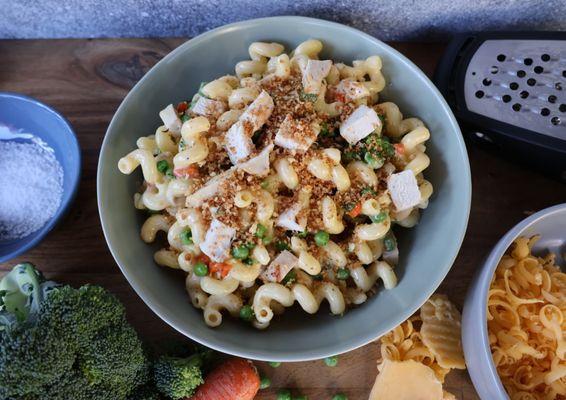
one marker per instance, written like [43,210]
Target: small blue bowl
[31,116]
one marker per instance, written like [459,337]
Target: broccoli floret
[176,377]
[114,360]
[65,343]
[75,386]
[32,357]
[85,310]
[145,392]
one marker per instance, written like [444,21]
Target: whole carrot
[235,379]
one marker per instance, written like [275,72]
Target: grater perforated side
[520,82]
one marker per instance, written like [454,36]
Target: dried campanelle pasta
[430,344]
[527,323]
[280,184]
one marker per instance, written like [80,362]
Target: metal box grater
[509,90]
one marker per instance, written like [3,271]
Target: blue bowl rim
[460,230]
[483,279]
[40,234]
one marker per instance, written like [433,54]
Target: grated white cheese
[31,187]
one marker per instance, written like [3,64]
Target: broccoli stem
[20,292]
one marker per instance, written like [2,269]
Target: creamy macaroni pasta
[280,185]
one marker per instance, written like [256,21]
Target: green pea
[379,217]
[274,364]
[260,231]
[241,252]
[247,313]
[389,243]
[343,274]
[162,166]
[321,238]
[284,394]
[185,118]
[340,396]
[264,383]
[186,237]
[331,361]
[264,184]
[200,269]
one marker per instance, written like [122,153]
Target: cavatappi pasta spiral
[281,184]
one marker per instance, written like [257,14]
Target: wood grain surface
[86,81]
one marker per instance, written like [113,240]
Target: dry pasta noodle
[281,184]
[405,343]
[526,323]
[441,321]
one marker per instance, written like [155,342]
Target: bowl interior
[27,115]
[549,224]
[427,251]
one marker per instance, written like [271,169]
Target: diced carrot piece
[220,268]
[214,268]
[354,212]
[399,148]
[340,97]
[231,380]
[191,171]
[203,258]
[182,107]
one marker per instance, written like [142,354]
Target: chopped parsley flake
[368,190]
[308,96]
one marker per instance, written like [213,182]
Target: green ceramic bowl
[427,251]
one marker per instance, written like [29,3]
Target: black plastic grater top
[510,89]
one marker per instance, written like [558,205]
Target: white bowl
[550,223]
